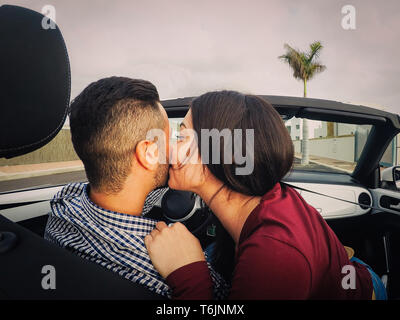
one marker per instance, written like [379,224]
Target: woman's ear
[147,154]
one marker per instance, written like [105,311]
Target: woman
[283,247]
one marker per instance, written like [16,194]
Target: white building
[339,129]
[294,127]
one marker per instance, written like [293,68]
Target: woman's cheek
[183,151]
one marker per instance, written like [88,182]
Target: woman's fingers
[172,247]
[174,156]
[161,225]
[154,233]
[148,240]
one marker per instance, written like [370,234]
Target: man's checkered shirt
[113,240]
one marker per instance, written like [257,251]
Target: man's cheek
[168,150]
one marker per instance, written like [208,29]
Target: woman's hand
[172,247]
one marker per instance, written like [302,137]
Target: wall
[342,129]
[59,149]
[297,146]
[340,148]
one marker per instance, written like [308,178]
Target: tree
[305,66]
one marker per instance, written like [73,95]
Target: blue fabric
[379,287]
[210,251]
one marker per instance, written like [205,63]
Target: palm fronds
[303,64]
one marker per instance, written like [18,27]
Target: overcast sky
[187,47]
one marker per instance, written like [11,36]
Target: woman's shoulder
[283,215]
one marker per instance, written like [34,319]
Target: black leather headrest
[35,81]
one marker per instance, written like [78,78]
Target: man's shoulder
[61,202]
[71,189]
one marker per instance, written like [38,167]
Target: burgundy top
[286,250]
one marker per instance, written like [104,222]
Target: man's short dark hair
[107,121]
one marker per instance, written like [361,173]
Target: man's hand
[172,247]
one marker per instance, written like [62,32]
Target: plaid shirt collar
[73,205]
[138,225]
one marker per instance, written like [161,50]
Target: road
[43,181]
[313,167]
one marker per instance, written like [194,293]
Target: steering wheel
[188,208]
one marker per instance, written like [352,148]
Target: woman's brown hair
[273,147]
[272,157]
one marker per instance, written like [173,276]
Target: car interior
[362,208]
[36,82]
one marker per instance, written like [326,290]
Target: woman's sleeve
[191,282]
[266,268]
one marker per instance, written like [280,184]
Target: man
[103,221]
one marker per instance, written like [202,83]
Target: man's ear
[147,154]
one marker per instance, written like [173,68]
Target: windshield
[333,147]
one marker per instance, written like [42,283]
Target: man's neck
[129,200]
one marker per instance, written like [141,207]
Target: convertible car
[358,196]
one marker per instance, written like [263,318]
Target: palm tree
[305,66]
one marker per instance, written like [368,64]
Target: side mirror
[391,177]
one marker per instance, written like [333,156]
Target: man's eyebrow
[182,124]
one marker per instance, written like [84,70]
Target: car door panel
[26,204]
[387,200]
[331,208]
